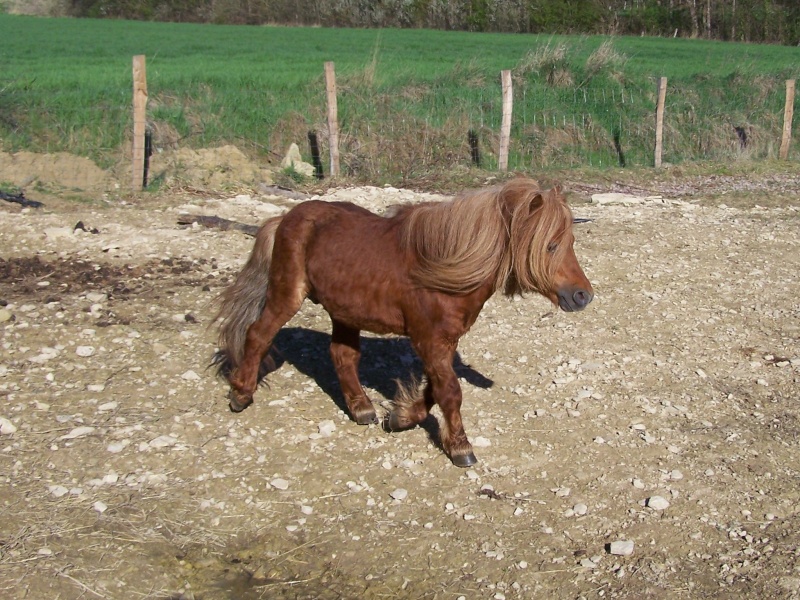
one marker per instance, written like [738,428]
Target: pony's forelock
[541,235]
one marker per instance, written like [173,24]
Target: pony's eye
[552,247]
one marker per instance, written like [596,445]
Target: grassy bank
[406,97]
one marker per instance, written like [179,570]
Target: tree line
[763,21]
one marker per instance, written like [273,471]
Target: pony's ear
[557,192]
[535,203]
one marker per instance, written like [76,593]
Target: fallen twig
[218,223]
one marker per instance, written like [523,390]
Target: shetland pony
[424,272]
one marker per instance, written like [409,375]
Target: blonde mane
[512,236]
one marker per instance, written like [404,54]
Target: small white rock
[7,427]
[84,351]
[100,506]
[190,376]
[621,548]
[117,447]
[77,432]
[326,428]
[657,503]
[58,490]
[162,441]
[580,509]
[399,494]
[481,442]
[279,484]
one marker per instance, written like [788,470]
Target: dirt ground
[665,415]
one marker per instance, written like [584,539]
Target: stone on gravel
[5,315]
[279,484]
[326,428]
[7,427]
[399,494]
[580,509]
[58,490]
[162,441]
[190,376]
[78,432]
[84,351]
[657,503]
[621,548]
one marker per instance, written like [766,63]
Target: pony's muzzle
[571,300]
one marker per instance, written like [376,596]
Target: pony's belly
[366,308]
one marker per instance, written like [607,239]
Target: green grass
[406,97]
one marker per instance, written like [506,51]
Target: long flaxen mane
[513,236]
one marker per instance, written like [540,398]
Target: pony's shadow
[386,363]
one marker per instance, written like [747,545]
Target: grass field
[406,97]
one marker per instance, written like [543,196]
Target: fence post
[662,96]
[333,119]
[788,112]
[505,126]
[139,121]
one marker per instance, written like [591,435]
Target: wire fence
[562,127]
[403,132]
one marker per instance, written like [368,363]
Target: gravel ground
[647,445]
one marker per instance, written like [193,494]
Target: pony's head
[542,258]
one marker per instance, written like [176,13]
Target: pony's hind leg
[346,352]
[411,406]
[278,309]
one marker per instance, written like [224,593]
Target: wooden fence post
[139,121]
[505,126]
[662,96]
[333,119]
[788,112]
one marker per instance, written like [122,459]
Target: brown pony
[425,272]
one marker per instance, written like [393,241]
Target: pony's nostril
[582,298]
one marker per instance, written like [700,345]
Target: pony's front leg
[447,393]
[244,379]
[346,353]
[443,389]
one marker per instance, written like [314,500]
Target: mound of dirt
[61,170]
[207,168]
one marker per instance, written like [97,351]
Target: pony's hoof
[393,423]
[238,404]
[464,460]
[367,418]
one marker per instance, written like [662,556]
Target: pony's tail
[242,302]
